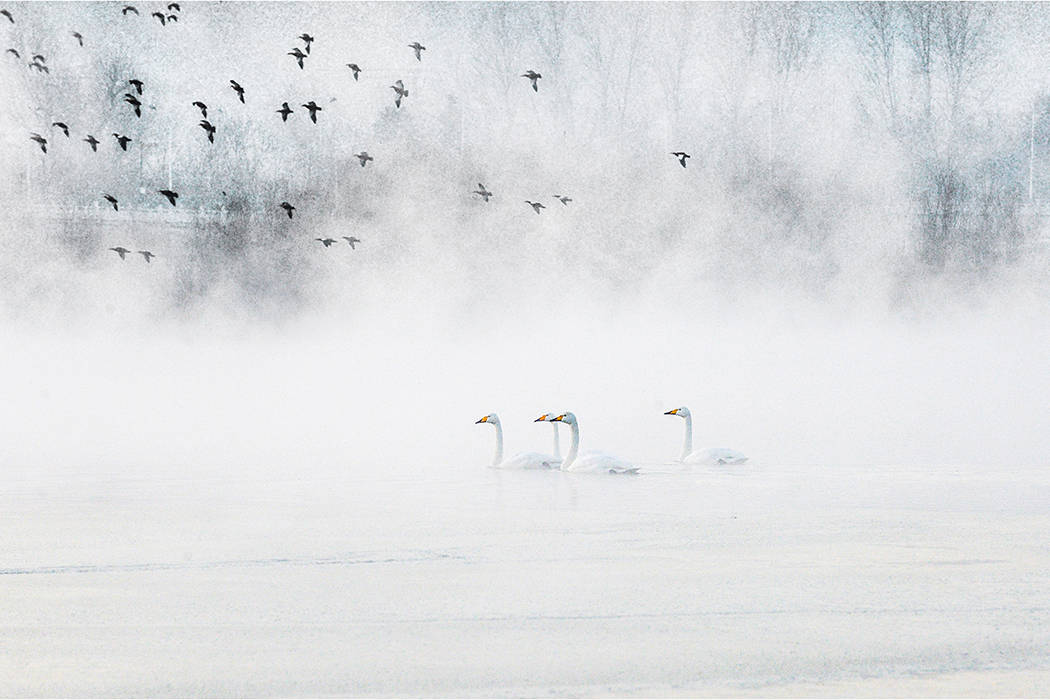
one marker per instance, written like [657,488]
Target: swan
[524,460]
[590,461]
[549,417]
[712,455]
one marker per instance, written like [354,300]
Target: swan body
[591,462]
[523,460]
[709,456]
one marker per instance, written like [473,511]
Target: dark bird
[39,57]
[122,140]
[354,67]
[288,208]
[121,251]
[127,9]
[299,55]
[238,89]
[63,127]
[533,76]
[112,200]
[7,13]
[351,240]
[417,47]
[13,53]
[681,156]
[307,39]
[78,37]
[93,142]
[134,102]
[563,199]
[326,241]
[172,196]
[314,109]
[137,83]
[160,17]
[399,88]
[146,254]
[536,206]
[40,67]
[284,111]
[173,18]
[485,194]
[363,157]
[207,126]
[39,139]
[203,108]
[175,6]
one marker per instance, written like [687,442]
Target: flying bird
[39,139]
[351,240]
[485,194]
[681,156]
[127,9]
[7,13]
[172,196]
[238,89]
[79,37]
[39,57]
[123,141]
[299,55]
[288,208]
[563,199]
[112,200]
[146,254]
[160,17]
[284,111]
[326,241]
[93,142]
[40,67]
[203,108]
[207,126]
[173,18]
[137,83]
[134,102]
[536,206]
[355,68]
[121,251]
[314,109]
[175,6]
[63,127]
[399,88]
[417,47]
[14,53]
[363,157]
[307,39]
[532,76]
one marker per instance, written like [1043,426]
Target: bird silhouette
[134,102]
[172,196]
[39,139]
[532,76]
[307,39]
[314,109]
[173,18]
[284,111]
[288,208]
[363,157]
[121,251]
[175,6]
[536,206]
[299,55]
[123,141]
[112,200]
[7,13]
[485,194]
[399,88]
[78,37]
[351,240]
[563,199]
[146,254]
[355,68]
[40,67]
[39,57]
[127,9]
[63,127]
[203,108]
[207,126]
[137,83]
[160,17]
[238,89]
[417,47]
[681,156]
[326,241]
[14,53]
[93,142]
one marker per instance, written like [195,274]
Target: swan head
[567,417]
[682,412]
[490,418]
[548,417]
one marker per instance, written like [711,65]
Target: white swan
[524,460]
[590,461]
[549,417]
[712,455]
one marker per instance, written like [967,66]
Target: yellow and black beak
[483,419]
[541,418]
[561,418]
[672,412]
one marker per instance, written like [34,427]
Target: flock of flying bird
[301,55]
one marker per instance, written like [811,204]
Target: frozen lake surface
[468,581]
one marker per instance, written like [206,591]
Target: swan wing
[716,455]
[601,463]
[530,460]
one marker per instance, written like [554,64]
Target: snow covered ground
[753,580]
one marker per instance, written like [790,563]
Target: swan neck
[557,446]
[498,458]
[687,446]
[574,446]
